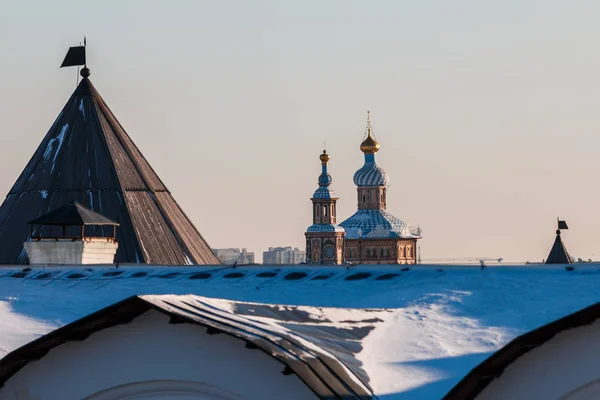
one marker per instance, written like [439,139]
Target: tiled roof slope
[377,224]
[87,156]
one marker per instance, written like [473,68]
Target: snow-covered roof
[430,324]
[376,224]
[491,371]
[325,228]
[324,192]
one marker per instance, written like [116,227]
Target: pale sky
[486,111]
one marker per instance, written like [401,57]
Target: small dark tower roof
[73,214]
[87,157]
[558,253]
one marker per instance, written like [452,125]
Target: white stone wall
[68,251]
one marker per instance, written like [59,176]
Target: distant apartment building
[284,255]
[231,256]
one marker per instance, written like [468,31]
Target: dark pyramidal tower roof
[558,252]
[88,157]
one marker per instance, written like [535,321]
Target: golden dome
[324,157]
[370,145]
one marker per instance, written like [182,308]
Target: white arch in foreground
[152,359]
[566,367]
[164,390]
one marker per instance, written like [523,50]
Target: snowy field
[433,324]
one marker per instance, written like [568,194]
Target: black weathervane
[561,224]
[76,57]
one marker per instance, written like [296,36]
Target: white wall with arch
[150,359]
[566,367]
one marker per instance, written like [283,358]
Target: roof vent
[75,245]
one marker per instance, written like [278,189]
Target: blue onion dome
[370,174]
[324,191]
[324,178]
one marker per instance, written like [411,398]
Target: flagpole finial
[369,128]
[85,72]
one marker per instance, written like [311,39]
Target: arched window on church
[324,210]
[318,210]
[381,253]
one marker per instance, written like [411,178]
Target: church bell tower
[324,238]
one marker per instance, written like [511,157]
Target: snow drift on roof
[430,326]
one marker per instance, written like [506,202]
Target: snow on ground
[433,324]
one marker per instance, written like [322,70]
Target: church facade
[372,235]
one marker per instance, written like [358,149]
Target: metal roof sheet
[305,352]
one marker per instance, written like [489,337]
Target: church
[372,235]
